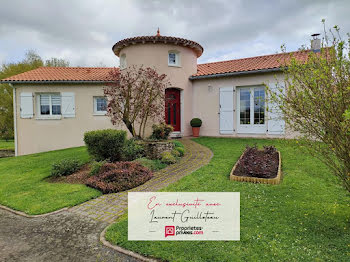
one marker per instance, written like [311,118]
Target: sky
[84,31]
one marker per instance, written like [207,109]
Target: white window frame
[177,58]
[99,113]
[38,108]
[122,61]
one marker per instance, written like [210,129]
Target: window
[123,61]
[173,58]
[49,104]
[100,105]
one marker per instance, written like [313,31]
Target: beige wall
[35,135]
[206,103]
[156,56]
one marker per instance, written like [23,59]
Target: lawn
[7,145]
[23,186]
[305,218]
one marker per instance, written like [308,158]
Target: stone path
[74,234]
[58,237]
[108,208]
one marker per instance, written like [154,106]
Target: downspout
[15,118]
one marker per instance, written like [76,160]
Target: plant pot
[195,131]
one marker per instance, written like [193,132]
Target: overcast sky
[84,32]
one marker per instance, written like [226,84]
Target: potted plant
[196,123]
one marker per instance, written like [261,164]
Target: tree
[136,96]
[31,61]
[316,103]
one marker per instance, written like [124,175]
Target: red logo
[169,231]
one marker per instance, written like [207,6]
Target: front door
[251,110]
[172,108]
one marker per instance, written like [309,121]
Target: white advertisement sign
[183,216]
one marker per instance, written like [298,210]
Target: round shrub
[196,122]
[161,131]
[168,158]
[181,150]
[119,176]
[175,153]
[178,144]
[132,150]
[65,167]
[153,165]
[105,144]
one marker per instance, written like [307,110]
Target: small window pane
[101,104]
[172,58]
[244,114]
[259,106]
[45,104]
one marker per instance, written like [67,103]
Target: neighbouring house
[54,106]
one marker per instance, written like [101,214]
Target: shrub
[120,176]
[196,122]
[65,167]
[95,167]
[153,165]
[105,144]
[178,144]
[161,131]
[181,150]
[175,153]
[168,158]
[132,150]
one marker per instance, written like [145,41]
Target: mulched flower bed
[258,166]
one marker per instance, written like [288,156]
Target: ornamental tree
[135,96]
[316,102]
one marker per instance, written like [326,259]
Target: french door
[251,110]
[172,108]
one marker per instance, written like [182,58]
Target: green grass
[23,186]
[7,145]
[305,218]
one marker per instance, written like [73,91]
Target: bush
[175,153]
[105,144]
[196,122]
[168,158]
[132,150]
[65,167]
[153,165]
[95,167]
[120,176]
[161,131]
[178,144]
[181,150]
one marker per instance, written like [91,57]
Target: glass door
[251,110]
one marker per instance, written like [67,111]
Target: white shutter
[68,104]
[226,110]
[275,122]
[26,106]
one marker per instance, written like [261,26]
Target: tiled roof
[63,74]
[101,74]
[256,63]
[158,39]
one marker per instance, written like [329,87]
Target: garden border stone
[273,181]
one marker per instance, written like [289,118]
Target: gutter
[14,118]
[236,73]
[53,82]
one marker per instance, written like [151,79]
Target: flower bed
[258,166]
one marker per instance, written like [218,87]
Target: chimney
[315,43]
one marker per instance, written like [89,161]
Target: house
[53,107]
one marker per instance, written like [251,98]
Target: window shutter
[68,104]
[26,106]
[275,123]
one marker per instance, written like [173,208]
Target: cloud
[84,32]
